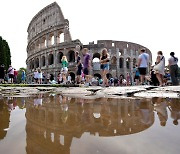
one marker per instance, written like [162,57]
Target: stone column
[46,59]
[55,38]
[124,65]
[117,62]
[39,62]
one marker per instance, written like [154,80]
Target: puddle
[60,124]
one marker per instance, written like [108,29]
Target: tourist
[104,60]
[136,75]
[143,61]
[15,75]
[128,79]
[154,81]
[59,78]
[64,69]
[23,76]
[159,68]
[87,66]
[10,72]
[39,76]
[160,107]
[2,73]
[35,76]
[69,79]
[173,68]
[174,108]
[79,68]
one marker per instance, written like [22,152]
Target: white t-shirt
[144,59]
[35,75]
[172,61]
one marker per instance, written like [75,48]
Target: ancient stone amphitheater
[49,39]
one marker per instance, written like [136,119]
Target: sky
[154,24]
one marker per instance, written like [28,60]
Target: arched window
[97,75]
[121,61]
[43,61]
[50,59]
[52,40]
[72,76]
[113,60]
[71,56]
[61,37]
[59,57]
[96,55]
[37,63]
[128,63]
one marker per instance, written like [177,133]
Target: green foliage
[5,54]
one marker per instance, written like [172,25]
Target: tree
[5,54]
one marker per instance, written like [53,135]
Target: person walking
[35,76]
[143,61]
[39,76]
[173,68]
[159,67]
[136,75]
[79,68]
[15,75]
[23,76]
[2,73]
[86,66]
[104,60]
[10,72]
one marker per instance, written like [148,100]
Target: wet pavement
[52,123]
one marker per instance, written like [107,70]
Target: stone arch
[96,55]
[96,61]
[120,52]
[72,76]
[38,45]
[43,42]
[121,62]
[60,38]
[113,60]
[50,59]
[52,39]
[97,75]
[71,56]
[128,63]
[32,64]
[36,62]
[43,63]
[59,57]
[108,75]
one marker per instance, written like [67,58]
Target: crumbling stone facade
[49,39]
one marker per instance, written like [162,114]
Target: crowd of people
[11,75]
[158,75]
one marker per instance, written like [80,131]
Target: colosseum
[49,39]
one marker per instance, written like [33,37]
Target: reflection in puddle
[54,123]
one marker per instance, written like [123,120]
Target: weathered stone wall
[49,39]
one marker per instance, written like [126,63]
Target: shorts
[11,76]
[142,70]
[64,70]
[79,71]
[105,66]
[86,71]
[136,77]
